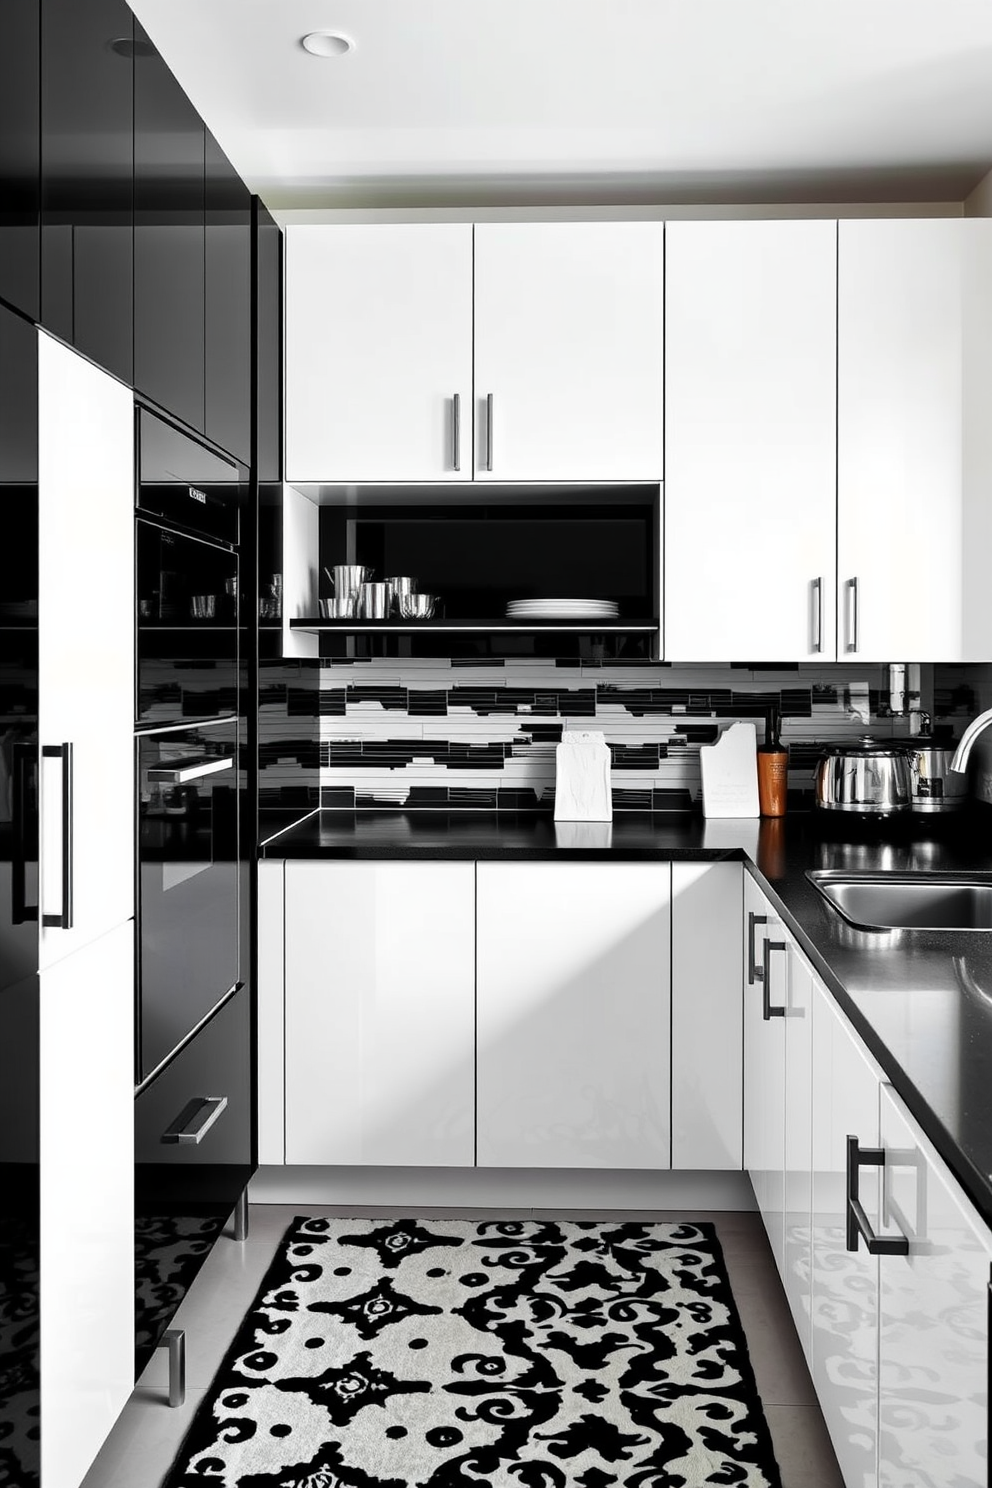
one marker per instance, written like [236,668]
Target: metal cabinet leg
[241,1217]
[175,1341]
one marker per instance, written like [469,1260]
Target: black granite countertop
[920,1000]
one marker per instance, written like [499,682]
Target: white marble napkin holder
[582,778]
[730,773]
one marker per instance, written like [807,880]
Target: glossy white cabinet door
[573,1030]
[378,349]
[270,1082]
[85,644]
[707,1015]
[843,1283]
[569,346]
[380,1017]
[914,444]
[750,439]
[87,1201]
[765,979]
[933,1320]
[798,1186]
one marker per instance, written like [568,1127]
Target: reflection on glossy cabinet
[797,1191]
[933,1320]
[843,1283]
[380,978]
[87,1201]
[227,299]
[750,440]
[707,1027]
[379,352]
[914,452]
[573,1022]
[569,350]
[765,983]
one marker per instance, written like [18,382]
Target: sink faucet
[971,733]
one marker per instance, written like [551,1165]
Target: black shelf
[476,627]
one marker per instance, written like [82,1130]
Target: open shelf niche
[477,548]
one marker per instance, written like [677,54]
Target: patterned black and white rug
[503,1354]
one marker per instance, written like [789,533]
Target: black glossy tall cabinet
[87,179]
[20,154]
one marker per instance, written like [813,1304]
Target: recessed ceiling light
[327,43]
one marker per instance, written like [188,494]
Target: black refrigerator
[194,1138]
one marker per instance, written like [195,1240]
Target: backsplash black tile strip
[426,733]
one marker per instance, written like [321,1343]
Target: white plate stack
[562,609]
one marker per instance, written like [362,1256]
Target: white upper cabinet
[379,352]
[85,650]
[573,1015]
[915,439]
[750,440]
[569,351]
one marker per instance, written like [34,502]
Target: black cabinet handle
[63,920]
[20,911]
[195,1120]
[857,1220]
[754,971]
[767,1011]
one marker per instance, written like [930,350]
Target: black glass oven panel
[188,879]
[185,483]
[185,1190]
[187,628]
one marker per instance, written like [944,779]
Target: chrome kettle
[867,777]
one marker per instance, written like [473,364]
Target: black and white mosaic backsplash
[430,734]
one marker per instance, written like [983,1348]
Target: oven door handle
[195,1120]
[20,910]
[194,769]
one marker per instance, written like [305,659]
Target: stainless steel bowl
[416,606]
[866,777]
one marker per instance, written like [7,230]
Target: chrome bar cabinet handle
[858,1223]
[63,920]
[755,973]
[854,622]
[817,587]
[195,1120]
[489,431]
[767,1011]
[456,432]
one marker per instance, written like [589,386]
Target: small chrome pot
[934,786]
[865,777]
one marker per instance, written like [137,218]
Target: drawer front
[197,1112]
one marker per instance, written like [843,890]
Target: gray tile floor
[145,1439]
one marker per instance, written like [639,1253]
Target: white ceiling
[641,101]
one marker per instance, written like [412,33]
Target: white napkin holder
[730,773]
[582,778]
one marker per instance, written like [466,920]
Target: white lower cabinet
[933,1340]
[574,1015]
[379,1013]
[86,1200]
[707,1016]
[797,1187]
[844,1276]
[765,974]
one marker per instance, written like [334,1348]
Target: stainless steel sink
[908,901]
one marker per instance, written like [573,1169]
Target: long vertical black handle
[63,921]
[754,971]
[767,1011]
[20,911]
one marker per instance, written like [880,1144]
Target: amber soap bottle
[773,768]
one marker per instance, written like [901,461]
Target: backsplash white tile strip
[433,734]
